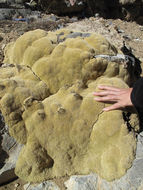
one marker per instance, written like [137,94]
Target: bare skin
[118,97]
[72,2]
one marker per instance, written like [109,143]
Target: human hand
[120,97]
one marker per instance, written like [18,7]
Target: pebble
[137,39]
[74,19]
[141,28]
[126,37]
[118,29]
[97,15]
[16,185]
[108,24]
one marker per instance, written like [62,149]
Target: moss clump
[18,86]
[64,56]
[67,130]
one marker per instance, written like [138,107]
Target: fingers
[104,87]
[106,99]
[105,93]
[113,107]
[110,94]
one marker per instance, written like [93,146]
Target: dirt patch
[19,183]
[116,31]
[15,185]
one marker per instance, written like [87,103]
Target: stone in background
[9,151]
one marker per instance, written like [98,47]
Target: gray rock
[11,13]
[76,34]
[53,18]
[74,19]
[47,185]
[12,1]
[6,1]
[7,142]
[127,37]
[133,180]
[6,13]
[141,28]
[9,151]
[7,171]
[88,182]
[72,35]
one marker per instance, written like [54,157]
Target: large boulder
[46,96]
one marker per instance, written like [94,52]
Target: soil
[116,31]
[18,184]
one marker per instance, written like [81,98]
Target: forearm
[137,98]
[137,94]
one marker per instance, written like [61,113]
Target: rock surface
[16,9]
[6,13]
[7,173]
[9,152]
[47,185]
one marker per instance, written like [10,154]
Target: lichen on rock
[47,101]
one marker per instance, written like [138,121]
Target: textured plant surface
[47,100]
